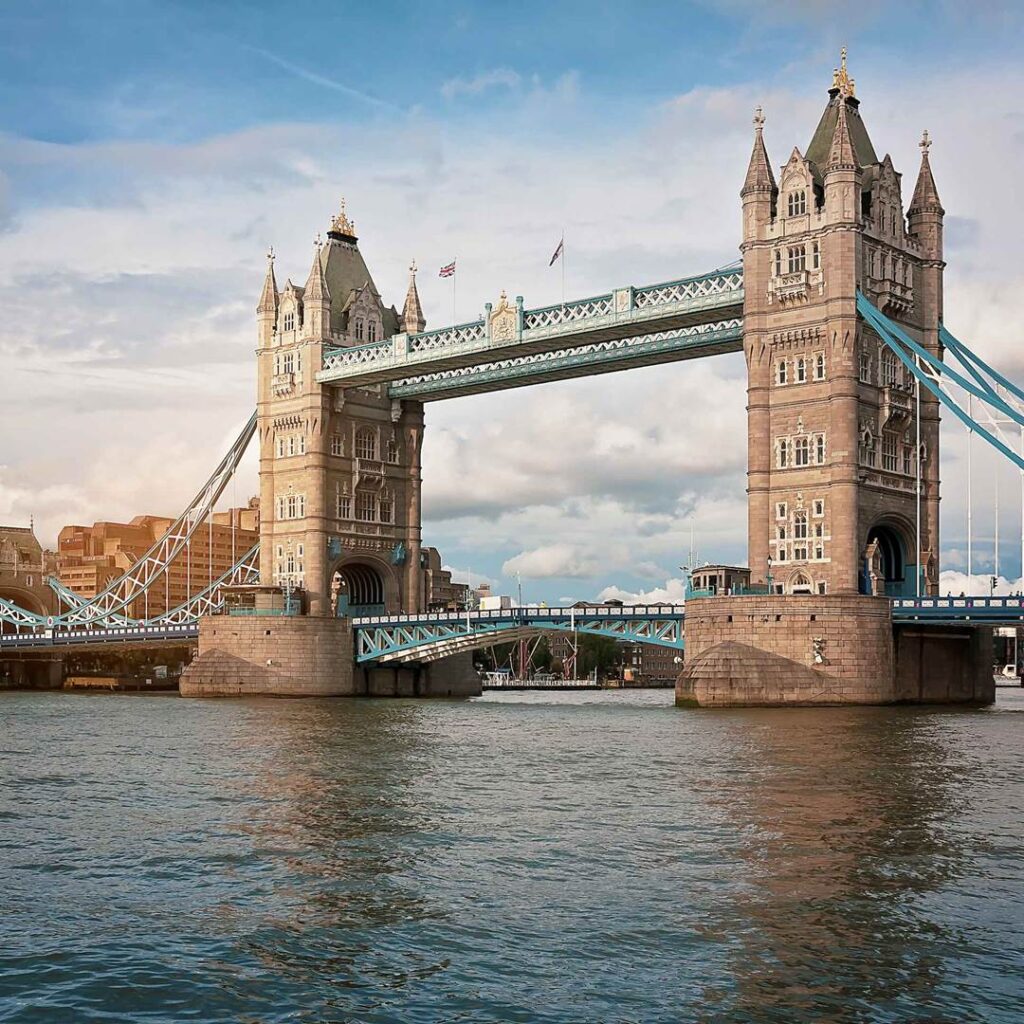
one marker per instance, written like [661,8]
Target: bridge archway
[886,567]
[363,586]
[23,598]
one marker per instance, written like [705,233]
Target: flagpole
[563,267]
[454,272]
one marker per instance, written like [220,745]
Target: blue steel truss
[959,610]
[581,361]
[509,331]
[437,635]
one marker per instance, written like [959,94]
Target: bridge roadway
[512,346]
[432,635]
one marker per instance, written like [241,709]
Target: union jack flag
[448,271]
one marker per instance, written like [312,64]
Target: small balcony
[896,407]
[795,286]
[282,383]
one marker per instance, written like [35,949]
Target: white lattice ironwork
[570,312]
[691,288]
[463,334]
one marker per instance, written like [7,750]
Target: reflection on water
[522,857]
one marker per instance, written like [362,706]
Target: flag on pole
[448,271]
[558,251]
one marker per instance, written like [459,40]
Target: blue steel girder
[959,610]
[509,332]
[437,635]
[581,361]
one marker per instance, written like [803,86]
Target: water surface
[522,857]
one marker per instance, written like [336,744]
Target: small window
[889,453]
[783,456]
[344,506]
[815,256]
[280,447]
[289,362]
[291,444]
[865,366]
[359,329]
[302,444]
[867,449]
[822,587]
[801,370]
[337,447]
[782,552]
[819,506]
[392,450]
[289,321]
[780,510]
[781,532]
[782,372]
[819,449]
[819,366]
[797,202]
[778,262]
[800,526]
[797,257]
[371,331]
[386,510]
[366,507]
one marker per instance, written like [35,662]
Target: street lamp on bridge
[769,560]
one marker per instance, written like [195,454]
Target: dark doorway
[357,589]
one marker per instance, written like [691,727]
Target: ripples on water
[537,858]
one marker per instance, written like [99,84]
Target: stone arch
[363,585]
[800,583]
[888,563]
[23,597]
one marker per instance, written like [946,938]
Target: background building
[90,557]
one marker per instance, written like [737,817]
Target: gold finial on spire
[841,79]
[758,119]
[341,224]
[925,143]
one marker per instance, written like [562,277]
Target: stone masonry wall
[286,656]
[856,644]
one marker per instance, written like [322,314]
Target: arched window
[867,449]
[797,202]
[890,375]
[797,258]
[819,449]
[819,366]
[783,457]
[815,256]
[289,321]
[371,331]
[801,584]
[778,262]
[801,370]
[802,451]
[800,526]
[782,372]
[366,443]
[359,329]
[392,450]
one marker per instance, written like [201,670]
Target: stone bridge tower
[339,468]
[832,425]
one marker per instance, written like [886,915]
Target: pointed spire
[413,320]
[759,171]
[840,155]
[268,297]
[316,285]
[926,195]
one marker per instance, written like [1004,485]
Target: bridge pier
[826,649]
[308,656]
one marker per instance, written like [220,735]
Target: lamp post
[769,560]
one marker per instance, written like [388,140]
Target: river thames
[535,858]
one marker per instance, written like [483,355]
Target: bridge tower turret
[832,478]
[340,468]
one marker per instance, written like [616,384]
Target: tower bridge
[838,309]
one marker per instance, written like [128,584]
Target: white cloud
[480,83]
[553,561]
[673,592]
[957,583]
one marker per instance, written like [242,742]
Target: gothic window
[387,509]
[782,552]
[819,449]
[291,444]
[801,370]
[293,506]
[800,526]
[778,262]
[371,331]
[871,262]
[288,363]
[802,451]
[344,506]
[366,507]
[359,329]
[302,444]
[797,203]
[889,453]
[783,453]
[290,563]
[819,506]
[782,372]
[815,256]
[780,510]
[366,443]
[336,445]
[781,531]
[289,321]
[885,265]
[819,366]
[277,364]
[890,372]
[797,256]
[280,447]
[392,451]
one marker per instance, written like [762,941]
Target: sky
[151,151]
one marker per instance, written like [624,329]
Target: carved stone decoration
[503,321]
[622,300]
